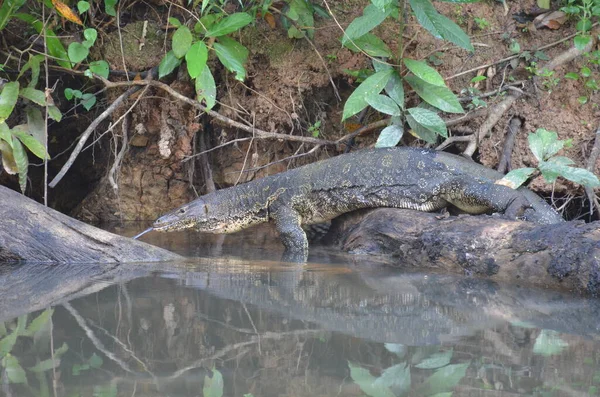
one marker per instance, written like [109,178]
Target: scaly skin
[411,178]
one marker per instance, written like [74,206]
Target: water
[234,321]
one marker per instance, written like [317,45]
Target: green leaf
[206,88]
[54,45]
[45,365]
[8,99]
[550,170]
[584,25]
[367,382]
[36,123]
[383,104]
[420,131]
[440,97]
[572,75]
[382,4]
[8,8]
[83,6]
[196,58]
[213,387]
[88,101]
[100,68]
[516,178]
[549,343]
[7,343]
[585,71]
[436,360]
[168,64]
[37,323]
[370,87]
[232,55]
[582,41]
[5,132]
[438,25]
[14,371]
[395,89]
[90,35]
[36,96]
[205,23]
[182,41]
[77,52]
[22,162]
[174,21]
[444,379]
[301,12]
[544,144]
[229,24]
[34,64]
[109,7]
[36,147]
[430,120]
[396,378]
[390,136]
[95,361]
[371,18]
[424,72]
[370,44]
[54,113]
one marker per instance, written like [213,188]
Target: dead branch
[514,126]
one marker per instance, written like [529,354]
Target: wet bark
[565,256]
[31,232]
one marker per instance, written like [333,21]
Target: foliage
[389,76]
[545,145]
[588,75]
[585,11]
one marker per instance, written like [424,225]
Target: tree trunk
[565,255]
[31,232]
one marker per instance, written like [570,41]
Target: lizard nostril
[182,211]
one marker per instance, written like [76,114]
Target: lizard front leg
[287,222]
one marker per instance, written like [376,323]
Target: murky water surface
[234,321]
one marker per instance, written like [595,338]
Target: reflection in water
[233,327]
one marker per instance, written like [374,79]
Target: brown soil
[288,90]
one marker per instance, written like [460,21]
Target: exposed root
[514,126]
[591,165]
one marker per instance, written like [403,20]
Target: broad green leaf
[430,120]
[370,87]
[438,25]
[204,4]
[213,387]
[371,18]
[90,35]
[168,64]
[397,348]
[36,147]
[420,131]
[88,101]
[34,64]
[390,136]
[182,41]
[301,12]
[174,21]
[232,55]
[561,160]
[3,331]
[367,382]
[100,68]
[55,46]
[61,350]
[425,72]
[79,368]
[395,89]
[8,162]
[440,97]
[35,96]
[45,365]
[8,99]
[35,123]
[572,76]
[77,52]
[22,162]
[383,104]
[7,343]
[5,132]
[516,178]
[206,88]
[196,58]
[582,176]
[460,1]
[396,378]
[109,7]
[8,8]
[549,343]
[205,23]
[37,323]
[544,144]
[83,6]
[382,4]
[54,113]
[581,41]
[229,24]
[95,361]
[14,371]
[444,379]
[370,44]
[436,360]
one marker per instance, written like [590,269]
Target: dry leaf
[66,12]
[551,20]
[270,19]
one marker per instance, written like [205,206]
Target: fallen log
[564,256]
[31,232]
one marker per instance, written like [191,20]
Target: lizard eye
[181,211]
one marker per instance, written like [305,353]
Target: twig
[188,158]
[364,130]
[509,143]
[591,166]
